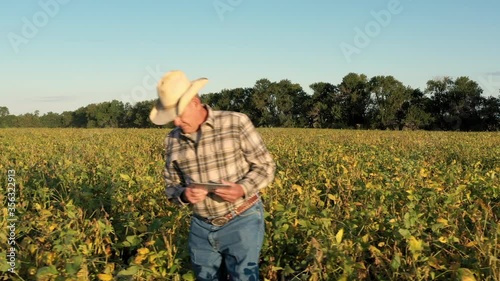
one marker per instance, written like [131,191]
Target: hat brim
[161,116]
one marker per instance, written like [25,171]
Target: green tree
[91,112]
[67,119]
[456,103]
[137,116]
[416,111]
[79,118]
[5,120]
[289,99]
[326,107]
[262,102]
[51,120]
[238,99]
[387,102]
[101,115]
[356,99]
[4,111]
[110,114]
[29,120]
[490,114]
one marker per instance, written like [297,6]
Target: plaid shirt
[227,147]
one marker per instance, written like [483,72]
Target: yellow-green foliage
[345,205]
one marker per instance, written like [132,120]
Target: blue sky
[59,55]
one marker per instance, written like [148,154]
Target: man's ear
[197,100]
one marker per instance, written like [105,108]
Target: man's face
[189,120]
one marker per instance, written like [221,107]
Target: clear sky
[58,55]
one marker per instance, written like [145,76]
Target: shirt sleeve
[262,166]
[173,183]
[173,189]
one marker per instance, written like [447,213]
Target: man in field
[209,146]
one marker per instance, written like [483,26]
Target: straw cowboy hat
[175,91]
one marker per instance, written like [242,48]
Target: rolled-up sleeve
[262,165]
[173,183]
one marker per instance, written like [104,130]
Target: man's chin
[187,130]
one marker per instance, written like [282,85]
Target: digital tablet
[211,185]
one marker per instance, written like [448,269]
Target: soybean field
[89,204]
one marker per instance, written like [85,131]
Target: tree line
[381,102]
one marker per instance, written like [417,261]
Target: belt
[222,220]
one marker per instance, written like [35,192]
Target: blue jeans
[233,248]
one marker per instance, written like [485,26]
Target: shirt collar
[210,117]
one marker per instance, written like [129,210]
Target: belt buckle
[220,221]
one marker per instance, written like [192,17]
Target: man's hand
[194,194]
[230,194]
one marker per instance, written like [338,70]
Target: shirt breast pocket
[227,150]
[184,163]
